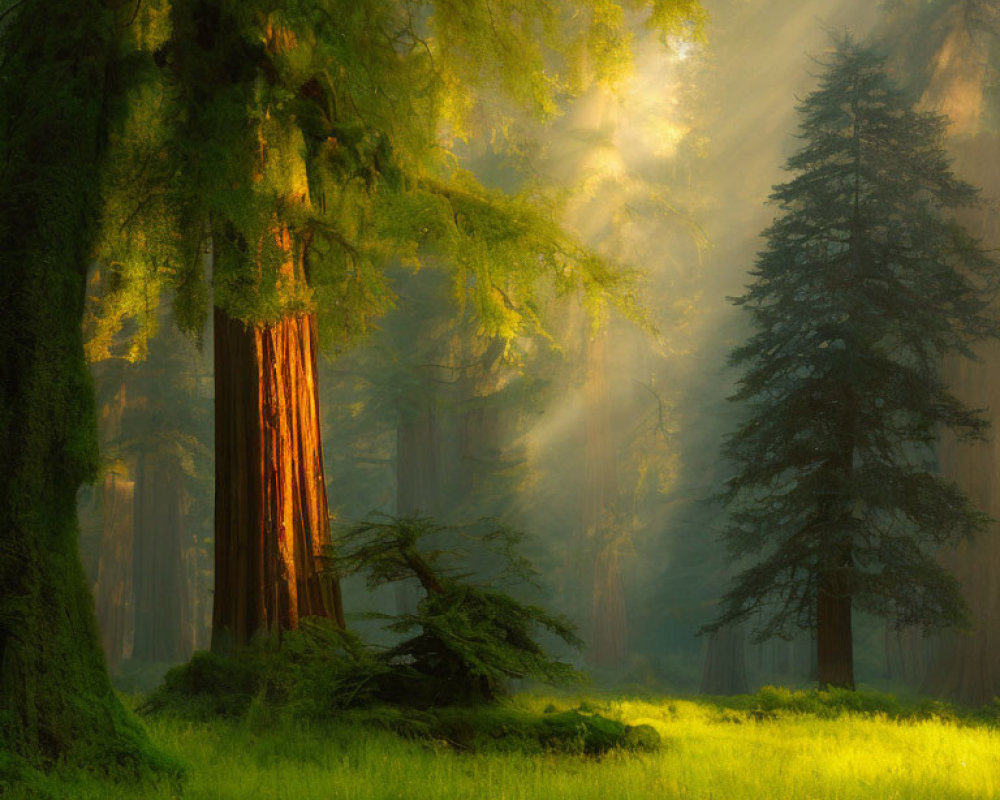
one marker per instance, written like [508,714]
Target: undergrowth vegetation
[318,713]
[463,643]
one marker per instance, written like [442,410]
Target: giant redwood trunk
[158,580]
[271,514]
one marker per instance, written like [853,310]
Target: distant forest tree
[865,285]
[949,53]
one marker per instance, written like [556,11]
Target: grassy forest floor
[775,744]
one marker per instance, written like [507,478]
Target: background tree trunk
[905,655]
[112,579]
[271,515]
[725,669]
[113,586]
[417,491]
[158,579]
[609,617]
[417,486]
[966,667]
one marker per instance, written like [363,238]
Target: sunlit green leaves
[308,149]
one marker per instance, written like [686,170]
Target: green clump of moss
[310,673]
[207,686]
[590,733]
[507,729]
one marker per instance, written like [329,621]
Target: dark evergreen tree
[865,284]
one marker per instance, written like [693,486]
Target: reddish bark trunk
[271,514]
[481,423]
[158,579]
[608,640]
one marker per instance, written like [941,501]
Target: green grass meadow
[763,746]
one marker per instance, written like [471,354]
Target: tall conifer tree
[864,285]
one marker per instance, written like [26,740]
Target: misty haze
[411,398]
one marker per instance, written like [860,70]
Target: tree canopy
[251,126]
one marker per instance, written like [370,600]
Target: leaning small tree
[472,638]
[864,285]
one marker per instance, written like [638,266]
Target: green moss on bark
[58,86]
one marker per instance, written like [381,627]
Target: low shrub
[506,729]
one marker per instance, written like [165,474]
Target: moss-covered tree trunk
[158,580]
[271,514]
[56,703]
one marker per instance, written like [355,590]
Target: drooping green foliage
[145,244]
[865,284]
[59,89]
[471,640]
[310,148]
